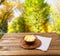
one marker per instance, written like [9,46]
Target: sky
[52,2]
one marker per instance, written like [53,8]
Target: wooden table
[9,45]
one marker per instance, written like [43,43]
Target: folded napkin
[45,43]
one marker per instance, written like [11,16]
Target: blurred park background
[29,16]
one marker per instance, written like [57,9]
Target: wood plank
[30,52]
[19,48]
[53,35]
[55,42]
[16,42]
[18,36]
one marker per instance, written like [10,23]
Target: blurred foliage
[56,16]
[5,14]
[1,35]
[1,1]
[35,16]
[17,25]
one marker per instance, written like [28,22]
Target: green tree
[36,15]
[17,25]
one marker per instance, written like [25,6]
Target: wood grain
[9,44]
[30,52]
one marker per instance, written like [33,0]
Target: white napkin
[45,42]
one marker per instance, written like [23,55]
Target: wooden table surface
[9,45]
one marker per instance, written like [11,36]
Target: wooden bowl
[35,44]
[30,39]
